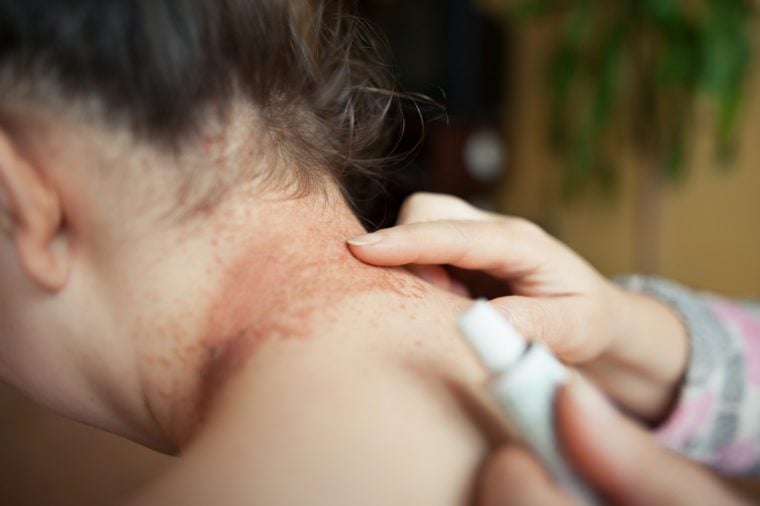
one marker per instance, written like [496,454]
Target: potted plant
[631,72]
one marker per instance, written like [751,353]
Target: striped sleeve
[716,419]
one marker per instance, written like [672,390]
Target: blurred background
[627,128]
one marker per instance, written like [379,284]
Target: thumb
[625,463]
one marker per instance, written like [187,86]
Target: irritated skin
[244,338]
[287,281]
[317,379]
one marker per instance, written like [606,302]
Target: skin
[242,336]
[632,346]
[649,474]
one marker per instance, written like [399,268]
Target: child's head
[123,123]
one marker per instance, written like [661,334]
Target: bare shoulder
[316,430]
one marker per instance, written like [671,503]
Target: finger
[504,248]
[423,206]
[513,476]
[623,461]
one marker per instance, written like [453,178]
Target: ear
[33,218]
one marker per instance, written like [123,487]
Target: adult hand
[616,458]
[634,347]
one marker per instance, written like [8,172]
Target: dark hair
[161,66]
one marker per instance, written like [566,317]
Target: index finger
[504,248]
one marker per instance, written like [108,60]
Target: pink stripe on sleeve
[688,419]
[747,325]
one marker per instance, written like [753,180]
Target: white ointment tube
[525,381]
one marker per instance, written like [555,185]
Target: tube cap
[494,340]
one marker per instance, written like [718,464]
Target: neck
[286,278]
[316,369]
[294,284]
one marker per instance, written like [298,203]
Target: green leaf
[661,10]
[531,8]
[668,51]
[680,58]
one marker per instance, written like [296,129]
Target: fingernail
[365,240]
[589,399]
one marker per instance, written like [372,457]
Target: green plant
[633,70]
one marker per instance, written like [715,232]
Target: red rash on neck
[278,289]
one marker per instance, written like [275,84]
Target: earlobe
[33,218]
